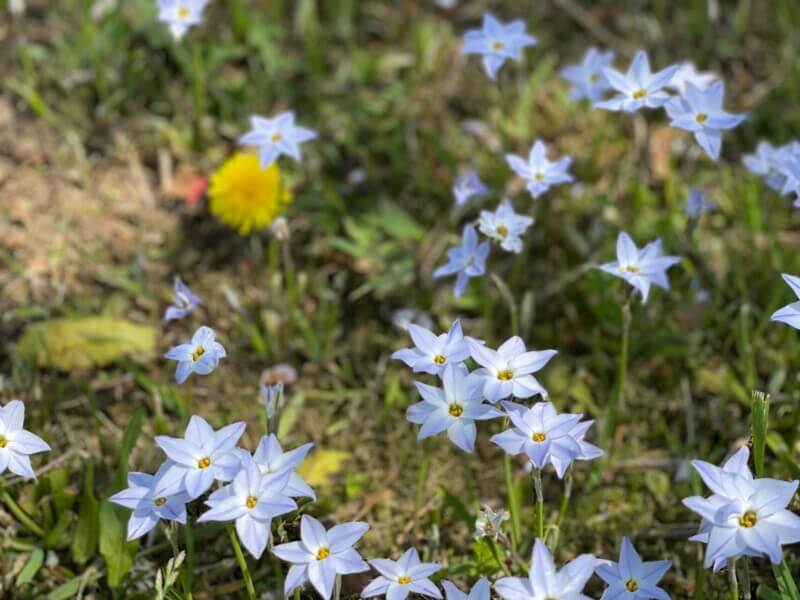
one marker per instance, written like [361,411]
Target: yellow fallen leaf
[322,465]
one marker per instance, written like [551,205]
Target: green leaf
[458,508]
[760,415]
[31,567]
[81,343]
[116,551]
[84,545]
[767,593]
[129,437]
[786,584]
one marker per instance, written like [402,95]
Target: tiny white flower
[632,578]
[468,186]
[402,577]
[276,136]
[271,458]
[480,591]
[540,173]
[180,15]
[641,268]
[201,355]
[432,353]
[508,371]
[489,523]
[639,87]
[497,42]
[505,226]
[16,444]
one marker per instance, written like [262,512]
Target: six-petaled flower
[539,172]
[275,137]
[639,87]
[497,42]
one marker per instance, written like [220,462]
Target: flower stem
[496,555]
[513,506]
[563,508]
[198,93]
[537,486]
[617,399]
[237,550]
[732,579]
[337,587]
[21,515]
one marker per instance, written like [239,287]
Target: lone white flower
[497,42]
[639,87]
[321,555]
[16,444]
[508,370]
[505,226]
[538,171]
[401,577]
[180,15]
[587,77]
[434,352]
[641,268]
[276,136]
[489,523]
[632,578]
[201,355]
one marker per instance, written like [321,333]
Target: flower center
[276,137]
[160,501]
[323,553]
[439,359]
[502,231]
[251,502]
[748,519]
[505,375]
[701,118]
[631,585]
[183,12]
[594,78]
[498,45]
[3,442]
[538,176]
[629,268]
[198,352]
[639,94]
[455,410]
[538,437]
[204,463]
[404,580]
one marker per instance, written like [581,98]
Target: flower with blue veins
[17,444]
[639,87]
[184,301]
[587,77]
[275,137]
[497,42]
[149,508]
[479,591]
[744,516]
[199,458]
[538,171]
[505,226]
[698,205]
[632,578]
[508,371]
[688,73]
[321,555]
[540,433]
[399,578]
[432,353]
[468,186]
[641,268]
[545,581]
[453,408]
[789,314]
[465,261]
[700,112]
[252,500]
[180,15]
[201,355]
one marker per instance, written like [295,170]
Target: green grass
[398,111]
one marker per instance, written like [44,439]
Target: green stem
[21,515]
[496,555]
[188,538]
[513,506]
[563,508]
[732,579]
[198,93]
[617,399]
[237,550]
[337,587]
[537,486]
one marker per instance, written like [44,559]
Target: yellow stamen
[323,553]
[251,502]
[3,442]
[198,352]
[538,176]
[502,231]
[183,12]
[204,463]
[701,118]
[276,137]
[505,375]
[498,45]
[538,437]
[639,94]
[594,78]
[629,268]
[455,410]
[748,519]
[631,585]
[404,580]
[439,359]
[160,501]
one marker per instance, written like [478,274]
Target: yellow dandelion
[245,196]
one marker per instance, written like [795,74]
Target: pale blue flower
[480,591]
[321,555]
[17,444]
[149,508]
[700,112]
[641,268]
[199,458]
[465,261]
[688,73]
[538,172]
[271,458]
[561,463]
[505,226]
[545,582]
[252,500]
[639,87]
[201,355]
[180,15]
[497,42]
[432,353]
[399,578]
[697,204]
[774,165]
[276,136]
[789,314]
[468,186]
[508,370]
[744,516]
[184,301]
[453,408]
[587,77]
[540,433]
[632,578]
